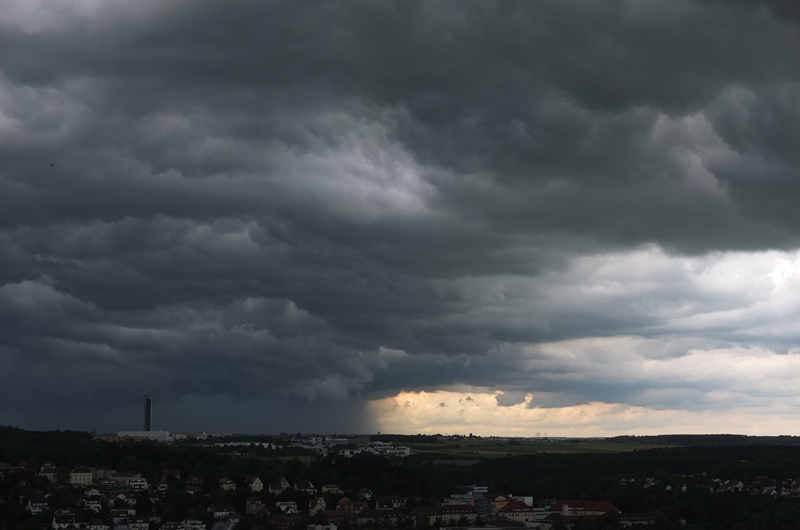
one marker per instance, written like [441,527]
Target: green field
[468,451]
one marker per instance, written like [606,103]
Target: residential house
[227,484]
[516,511]
[49,471]
[121,498]
[138,484]
[277,487]
[124,478]
[220,511]
[351,509]
[287,506]
[794,487]
[93,502]
[37,504]
[194,483]
[306,486]
[365,494]
[80,476]
[193,524]
[121,515]
[96,524]
[223,525]
[253,505]
[332,488]
[106,486]
[101,473]
[256,485]
[21,467]
[285,521]
[636,519]
[389,502]
[63,519]
[321,527]
[316,505]
[446,514]
[733,485]
[139,522]
[498,500]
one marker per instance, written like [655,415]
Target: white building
[138,484]
[124,478]
[64,519]
[80,476]
[158,436]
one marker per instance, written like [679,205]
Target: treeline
[715,440]
[58,446]
[407,438]
[579,475]
[242,438]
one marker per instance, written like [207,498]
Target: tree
[244,524]
[31,524]
[127,463]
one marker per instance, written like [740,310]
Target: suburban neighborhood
[308,482]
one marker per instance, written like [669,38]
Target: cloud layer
[306,208]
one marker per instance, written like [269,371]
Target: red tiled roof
[515,506]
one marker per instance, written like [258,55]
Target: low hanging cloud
[484,417]
[590,203]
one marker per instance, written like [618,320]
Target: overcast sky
[572,217]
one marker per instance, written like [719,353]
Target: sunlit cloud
[445,412]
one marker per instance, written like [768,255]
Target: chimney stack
[148,413]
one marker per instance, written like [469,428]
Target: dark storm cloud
[326,201]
